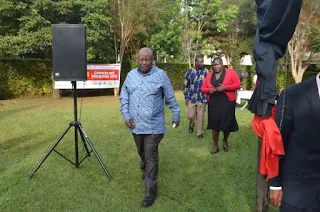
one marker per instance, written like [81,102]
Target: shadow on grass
[11,112]
[19,143]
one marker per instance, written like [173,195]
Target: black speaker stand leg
[94,151]
[50,150]
[84,137]
[83,141]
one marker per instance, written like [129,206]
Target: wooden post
[55,92]
[262,186]
[116,91]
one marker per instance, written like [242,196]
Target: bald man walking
[142,97]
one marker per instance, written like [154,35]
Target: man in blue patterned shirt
[142,105]
[195,100]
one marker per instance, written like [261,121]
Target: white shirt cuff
[275,188]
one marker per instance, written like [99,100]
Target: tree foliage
[315,39]
[300,47]
[235,42]
[203,19]
[166,37]
[133,18]
[176,30]
[25,26]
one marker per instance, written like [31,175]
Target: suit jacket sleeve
[235,85]
[284,120]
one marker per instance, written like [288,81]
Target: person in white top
[297,187]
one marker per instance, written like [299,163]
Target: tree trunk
[297,78]
[56,93]
[122,49]
[262,187]
[123,45]
[116,90]
[189,54]
[297,73]
[115,46]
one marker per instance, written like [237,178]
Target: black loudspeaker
[69,53]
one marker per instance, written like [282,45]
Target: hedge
[176,73]
[24,77]
[32,77]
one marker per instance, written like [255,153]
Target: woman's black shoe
[225,148]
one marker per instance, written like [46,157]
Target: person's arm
[204,87]
[124,100]
[284,120]
[170,99]
[275,183]
[186,86]
[235,82]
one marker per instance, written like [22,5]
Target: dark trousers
[147,147]
[286,207]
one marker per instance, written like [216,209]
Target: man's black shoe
[190,130]
[200,136]
[147,202]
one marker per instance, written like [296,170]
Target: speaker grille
[69,52]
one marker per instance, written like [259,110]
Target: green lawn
[190,179]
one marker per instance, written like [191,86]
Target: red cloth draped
[272,145]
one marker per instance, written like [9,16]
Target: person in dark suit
[297,187]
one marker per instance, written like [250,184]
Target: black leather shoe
[190,130]
[147,202]
[225,148]
[200,136]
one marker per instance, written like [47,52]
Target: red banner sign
[102,74]
[98,76]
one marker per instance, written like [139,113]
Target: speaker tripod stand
[84,137]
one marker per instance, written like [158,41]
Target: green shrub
[247,82]
[281,76]
[175,72]
[32,77]
[24,77]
